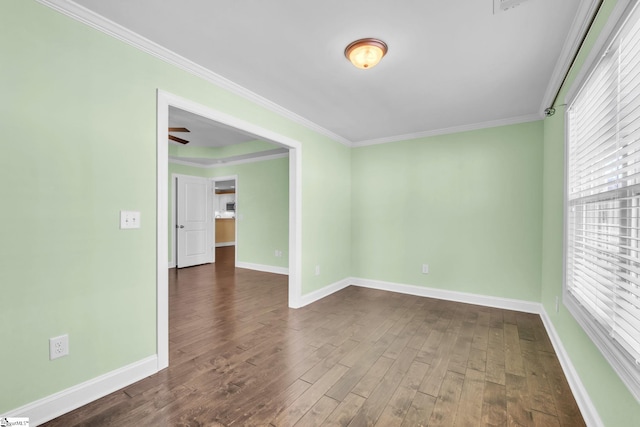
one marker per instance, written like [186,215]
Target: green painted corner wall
[68,92]
[467,204]
[262,215]
[326,206]
[613,401]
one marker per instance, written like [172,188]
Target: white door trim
[164,100]
[174,234]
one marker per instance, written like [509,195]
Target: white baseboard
[172,264]
[222,244]
[588,410]
[487,301]
[72,398]
[265,268]
[53,406]
[324,292]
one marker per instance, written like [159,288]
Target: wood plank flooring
[360,357]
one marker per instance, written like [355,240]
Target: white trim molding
[589,412]
[261,267]
[100,23]
[164,100]
[224,244]
[317,295]
[60,403]
[468,298]
[162,234]
[451,130]
[67,400]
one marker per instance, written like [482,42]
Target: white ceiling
[451,65]
[204,132]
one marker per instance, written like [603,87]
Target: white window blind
[602,264]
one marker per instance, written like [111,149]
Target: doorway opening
[220,212]
[166,100]
[225,206]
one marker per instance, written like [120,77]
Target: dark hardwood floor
[240,357]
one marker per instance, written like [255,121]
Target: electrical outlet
[425,268]
[278,253]
[317,270]
[58,346]
[557,304]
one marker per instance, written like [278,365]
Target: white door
[194,221]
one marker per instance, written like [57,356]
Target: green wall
[263,191]
[79,131]
[467,204]
[326,207]
[615,404]
[263,210]
[482,208]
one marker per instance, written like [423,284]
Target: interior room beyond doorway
[225,202]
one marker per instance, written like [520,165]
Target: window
[602,232]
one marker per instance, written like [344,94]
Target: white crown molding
[53,406]
[571,44]
[224,163]
[454,129]
[100,23]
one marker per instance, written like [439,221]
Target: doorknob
[179,226]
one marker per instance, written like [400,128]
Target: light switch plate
[129,219]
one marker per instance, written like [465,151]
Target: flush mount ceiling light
[365,53]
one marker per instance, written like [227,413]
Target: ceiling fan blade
[176,139]
[179,130]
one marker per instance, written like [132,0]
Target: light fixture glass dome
[365,53]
